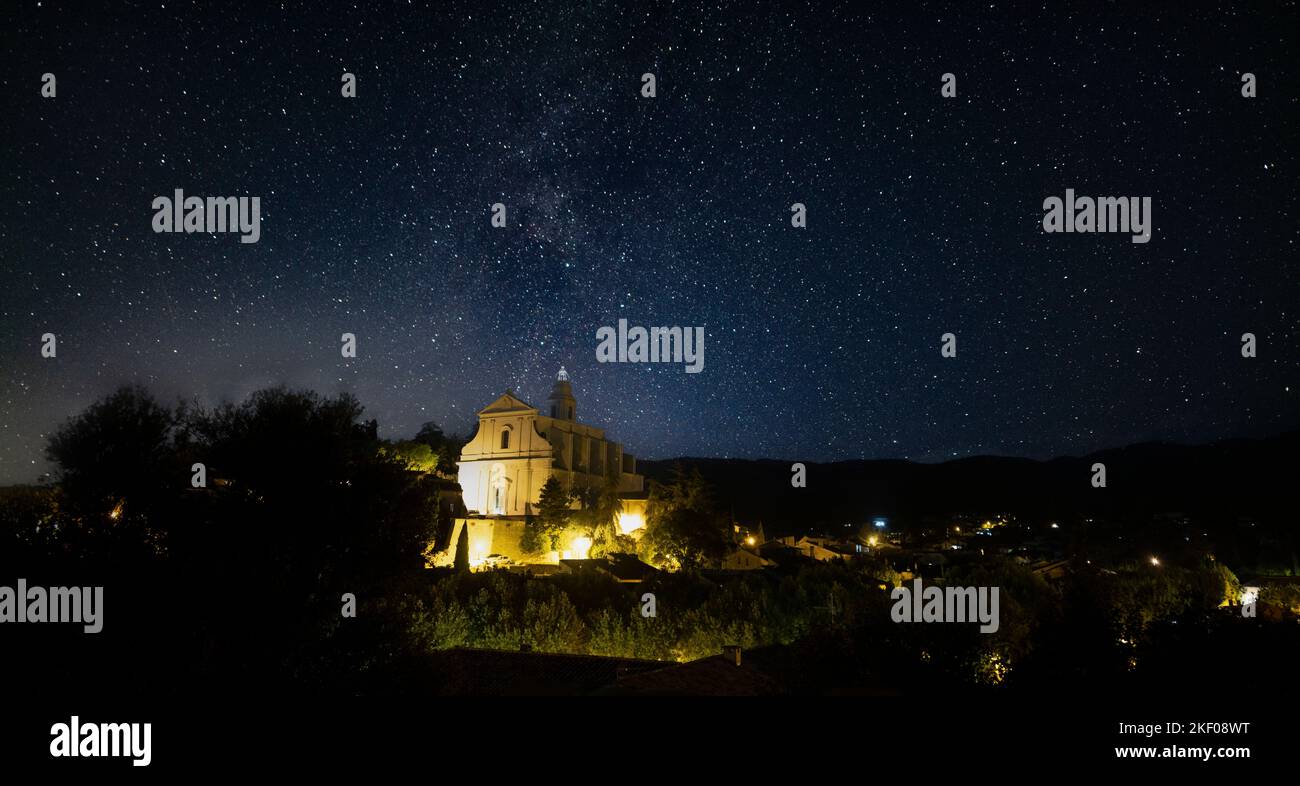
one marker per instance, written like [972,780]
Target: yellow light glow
[1155,561]
[580,547]
[630,522]
[873,540]
[994,668]
[749,541]
[480,545]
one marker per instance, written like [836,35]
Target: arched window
[505,439]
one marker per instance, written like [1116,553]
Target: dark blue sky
[821,343]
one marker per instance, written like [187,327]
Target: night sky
[924,217]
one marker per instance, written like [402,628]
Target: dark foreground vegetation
[237,588]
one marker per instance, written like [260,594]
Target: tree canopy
[684,528]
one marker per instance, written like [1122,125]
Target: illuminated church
[516,449]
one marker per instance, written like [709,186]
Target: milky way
[924,217]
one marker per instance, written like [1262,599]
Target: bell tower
[563,405]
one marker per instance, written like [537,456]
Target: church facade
[517,448]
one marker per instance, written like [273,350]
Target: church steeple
[563,405]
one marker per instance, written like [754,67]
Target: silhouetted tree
[683,527]
[119,457]
[443,448]
[599,517]
[553,516]
[462,551]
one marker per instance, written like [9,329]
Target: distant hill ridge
[1230,478]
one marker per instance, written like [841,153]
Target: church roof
[507,402]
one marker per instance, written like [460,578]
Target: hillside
[1229,479]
